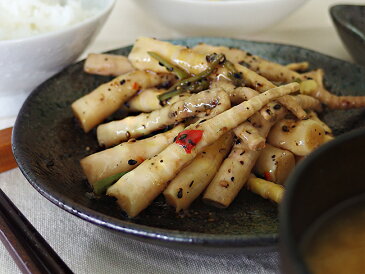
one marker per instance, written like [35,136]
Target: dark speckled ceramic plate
[48,145]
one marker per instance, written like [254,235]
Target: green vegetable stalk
[102,185]
[195,83]
[180,73]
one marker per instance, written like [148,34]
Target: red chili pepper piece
[267,176]
[135,86]
[189,138]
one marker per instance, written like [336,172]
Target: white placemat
[87,248]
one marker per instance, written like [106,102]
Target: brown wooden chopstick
[7,160]
[30,251]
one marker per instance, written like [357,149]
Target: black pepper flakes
[232,179]
[285,128]
[191,142]
[180,193]
[122,82]
[277,107]
[132,162]
[237,75]
[183,136]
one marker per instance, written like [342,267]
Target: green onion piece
[180,72]
[183,85]
[198,86]
[233,74]
[102,185]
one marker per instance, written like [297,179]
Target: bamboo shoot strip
[270,70]
[266,189]
[240,94]
[302,66]
[299,137]
[126,156]
[312,115]
[135,126]
[185,58]
[250,135]
[94,107]
[107,64]
[191,181]
[308,102]
[145,101]
[231,176]
[137,189]
[274,164]
[331,100]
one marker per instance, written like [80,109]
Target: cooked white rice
[24,18]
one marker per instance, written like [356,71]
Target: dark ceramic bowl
[329,176]
[350,24]
[48,144]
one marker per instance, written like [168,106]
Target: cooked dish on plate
[204,121]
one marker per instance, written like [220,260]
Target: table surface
[89,249]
